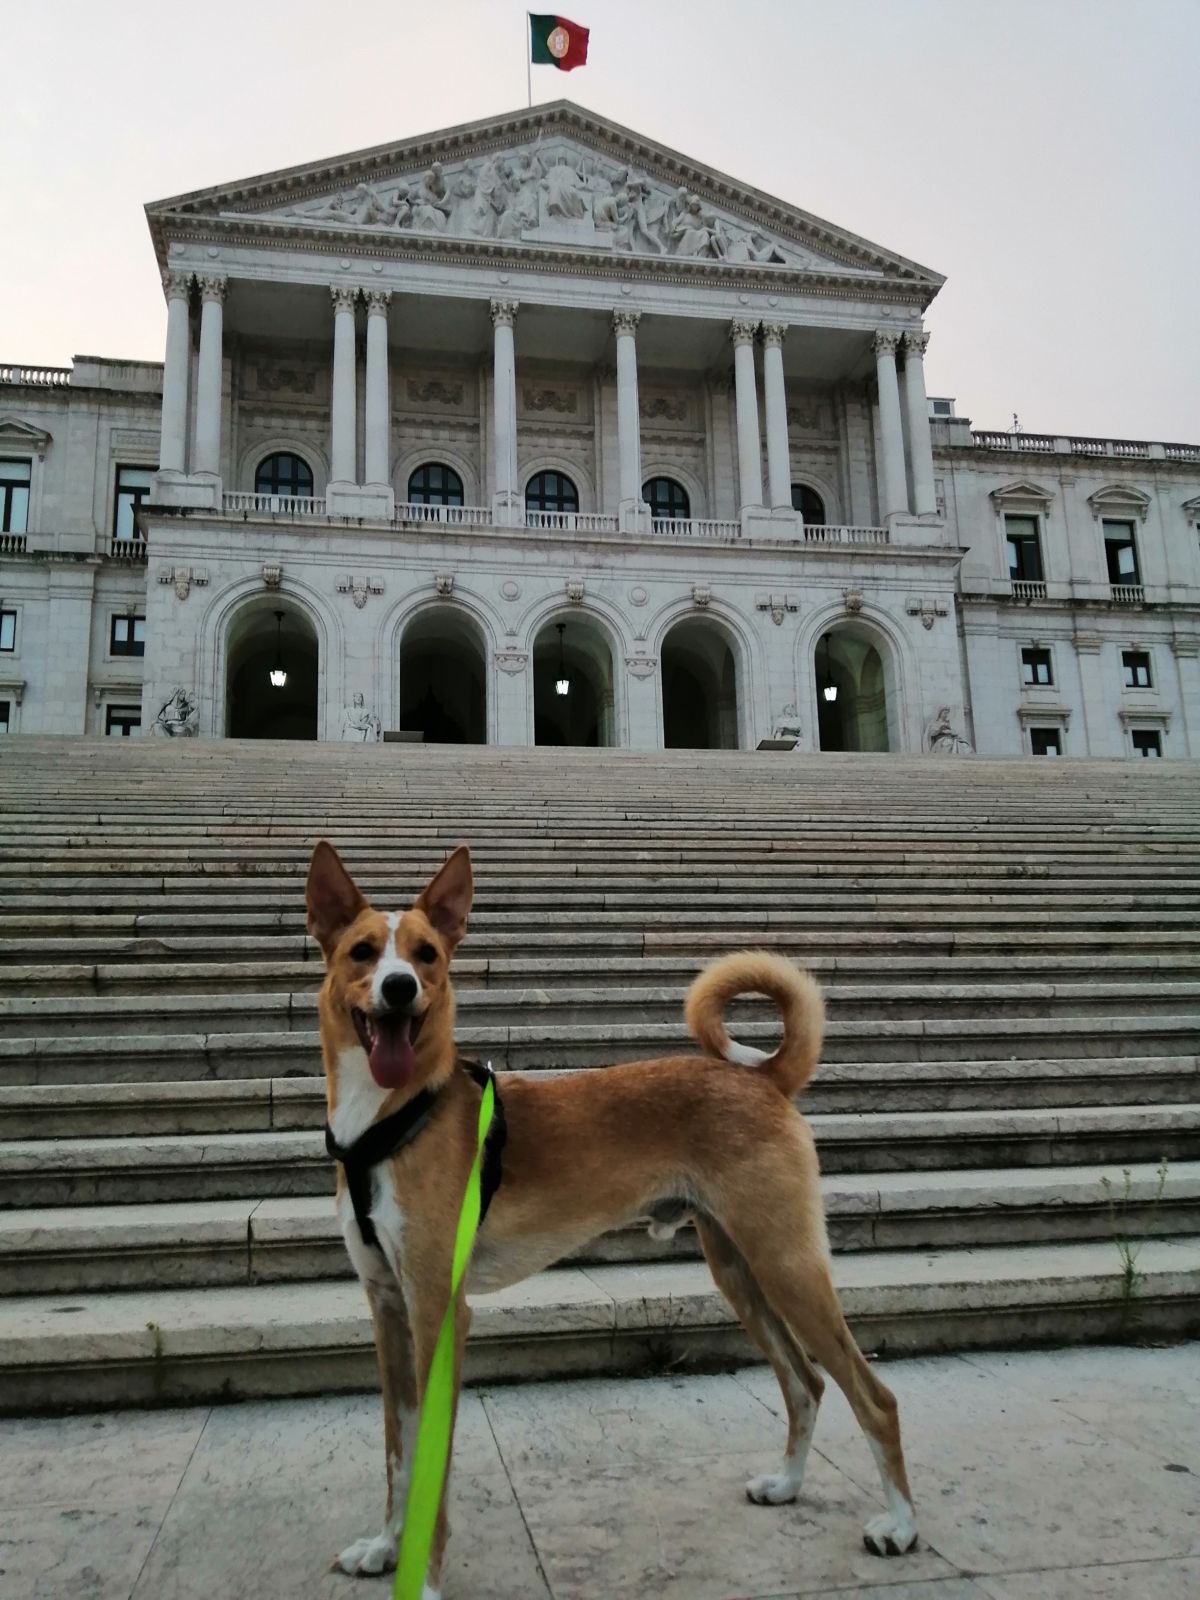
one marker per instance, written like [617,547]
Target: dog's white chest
[388,1220]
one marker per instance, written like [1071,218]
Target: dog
[713,1139]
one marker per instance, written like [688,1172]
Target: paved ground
[1066,1475]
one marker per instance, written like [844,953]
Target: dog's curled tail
[794,992]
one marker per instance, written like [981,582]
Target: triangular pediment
[553,178]
[1120,500]
[15,434]
[1024,491]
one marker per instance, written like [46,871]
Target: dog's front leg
[398,1381]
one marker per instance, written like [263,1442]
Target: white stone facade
[550,294]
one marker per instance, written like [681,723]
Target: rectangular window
[1024,551]
[1045,741]
[133,486]
[5,714]
[1136,667]
[1120,552]
[8,630]
[121,721]
[1035,666]
[1146,741]
[127,636]
[14,496]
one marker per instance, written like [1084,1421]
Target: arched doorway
[854,706]
[572,651]
[699,688]
[268,640]
[442,678]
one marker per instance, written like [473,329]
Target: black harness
[384,1139]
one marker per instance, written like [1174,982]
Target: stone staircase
[1011,956]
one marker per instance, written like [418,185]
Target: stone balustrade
[835,533]
[1128,594]
[38,377]
[1028,589]
[1082,445]
[127,549]
[12,544]
[276,505]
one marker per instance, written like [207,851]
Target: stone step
[140,1169]
[197,1243]
[144,1347]
[257,1105]
[63,1017]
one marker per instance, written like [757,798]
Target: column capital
[177,285]
[344,296]
[625,320]
[504,312]
[213,288]
[774,333]
[378,301]
[742,332]
[885,342]
[915,344]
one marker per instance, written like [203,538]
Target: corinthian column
[504,392]
[920,446]
[779,466]
[344,421]
[893,490]
[172,450]
[629,425]
[206,456]
[749,441]
[378,419]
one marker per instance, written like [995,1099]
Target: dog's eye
[363,951]
[425,952]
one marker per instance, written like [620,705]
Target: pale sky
[1043,154]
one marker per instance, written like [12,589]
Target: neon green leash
[432,1453]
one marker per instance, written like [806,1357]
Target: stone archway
[861,715]
[443,694]
[586,713]
[256,643]
[699,687]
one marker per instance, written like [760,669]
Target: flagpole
[529,57]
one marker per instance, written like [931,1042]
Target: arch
[657,467]
[435,483]
[266,633]
[810,502]
[667,497]
[480,613]
[582,655]
[553,491]
[443,676]
[446,453]
[286,473]
[853,659]
[307,449]
[745,644]
[699,676]
[571,466]
[896,656]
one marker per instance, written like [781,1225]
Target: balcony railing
[127,549]
[40,377]
[1080,445]
[1182,452]
[1028,589]
[1016,441]
[837,533]
[1128,594]
[12,544]
[571,521]
[448,516]
[695,528]
[275,505]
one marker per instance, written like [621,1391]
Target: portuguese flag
[557,42]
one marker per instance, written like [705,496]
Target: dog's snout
[398,990]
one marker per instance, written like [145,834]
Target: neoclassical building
[535,431]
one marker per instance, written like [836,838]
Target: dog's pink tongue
[391,1056]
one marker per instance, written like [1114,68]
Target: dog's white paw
[890,1534]
[773,1489]
[366,1558]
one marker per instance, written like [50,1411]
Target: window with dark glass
[1024,550]
[551,491]
[8,630]
[1120,552]
[14,496]
[435,484]
[284,474]
[1045,741]
[1147,741]
[5,714]
[121,721]
[133,487]
[666,498]
[808,503]
[127,636]
[1035,666]
[1136,667]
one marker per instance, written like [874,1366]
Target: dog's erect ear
[334,899]
[446,898]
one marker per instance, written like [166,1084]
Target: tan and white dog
[714,1139]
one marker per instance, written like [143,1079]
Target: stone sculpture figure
[359,725]
[943,739]
[473,213]
[563,191]
[177,717]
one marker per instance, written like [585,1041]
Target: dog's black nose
[399,989]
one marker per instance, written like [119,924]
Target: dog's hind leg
[799,1381]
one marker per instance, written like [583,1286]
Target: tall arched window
[435,484]
[808,503]
[284,473]
[551,491]
[666,498]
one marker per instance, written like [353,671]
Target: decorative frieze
[183,578]
[358,588]
[434,391]
[641,666]
[275,380]
[927,610]
[777,604]
[566,402]
[663,408]
[511,661]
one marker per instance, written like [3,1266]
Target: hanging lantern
[828,687]
[562,684]
[278,674]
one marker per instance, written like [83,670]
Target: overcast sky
[1043,154]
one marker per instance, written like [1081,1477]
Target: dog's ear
[334,899]
[446,898]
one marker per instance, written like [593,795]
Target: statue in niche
[177,717]
[943,739]
[359,725]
